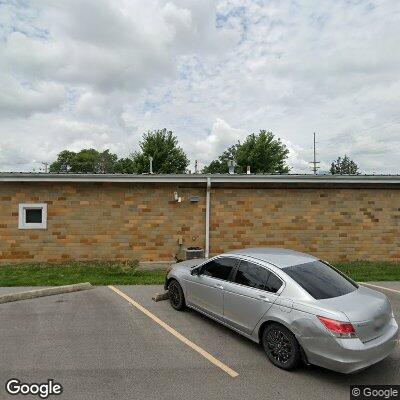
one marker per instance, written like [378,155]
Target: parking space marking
[179,336]
[380,287]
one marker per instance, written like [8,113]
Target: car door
[247,298]
[205,289]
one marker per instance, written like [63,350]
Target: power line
[357,131]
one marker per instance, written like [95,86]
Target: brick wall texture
[120,221]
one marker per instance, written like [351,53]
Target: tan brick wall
[334,224]
[129,221]
[101,221]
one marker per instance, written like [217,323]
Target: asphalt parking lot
[99,346]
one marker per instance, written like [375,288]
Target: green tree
[124,166]
[220,166]
[168,157]
[105,163]
[85,161]
[344,166]
[64,162]
[262,152]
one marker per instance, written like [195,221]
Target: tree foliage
[262,152]
[168,157]
[220,166]
[162,145]
[124,166]
[85,161]
[344,166]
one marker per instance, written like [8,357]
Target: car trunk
[367,310]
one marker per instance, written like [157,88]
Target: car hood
[188,264]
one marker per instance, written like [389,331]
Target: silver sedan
[301,309]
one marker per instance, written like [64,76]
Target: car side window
[273,283]
[252,275]
[219,268]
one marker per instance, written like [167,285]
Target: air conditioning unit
[194,252]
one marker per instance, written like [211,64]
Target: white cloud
[112,45]
[91,104]
[296,157]
[99,73]
[18,100]
[222,136]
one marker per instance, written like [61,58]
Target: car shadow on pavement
[386,371]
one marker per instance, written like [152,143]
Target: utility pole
[315,163]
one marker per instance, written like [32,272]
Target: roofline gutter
[201,178]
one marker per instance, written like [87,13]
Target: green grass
[97,273]
[127,273]
[364,271]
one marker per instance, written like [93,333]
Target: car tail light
[343,330]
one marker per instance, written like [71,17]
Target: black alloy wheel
[176,296]
[281,346]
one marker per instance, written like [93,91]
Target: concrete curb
[31,294]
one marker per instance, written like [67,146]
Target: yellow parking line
[380,287]
[179,336]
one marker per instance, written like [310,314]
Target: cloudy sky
[98,73]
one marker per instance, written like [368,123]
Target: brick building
[57,217]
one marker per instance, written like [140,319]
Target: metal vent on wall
[194,252]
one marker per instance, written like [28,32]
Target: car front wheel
[176,296]
[281,347]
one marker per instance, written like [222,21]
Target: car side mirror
[195,271]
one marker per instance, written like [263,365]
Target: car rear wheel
[281,347]
[176,296]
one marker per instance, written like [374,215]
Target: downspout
[208,198]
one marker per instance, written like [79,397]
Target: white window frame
[22,224]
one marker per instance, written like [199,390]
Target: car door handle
[262,297]
[219,286]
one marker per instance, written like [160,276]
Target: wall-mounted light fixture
[177,198]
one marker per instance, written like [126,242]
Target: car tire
[176,296]
[281,347]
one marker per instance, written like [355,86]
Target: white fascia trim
[200,178]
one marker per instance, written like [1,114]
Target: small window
[220,268]
[252,275]
[32,216]
[273,283]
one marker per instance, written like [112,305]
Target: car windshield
[321,280]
